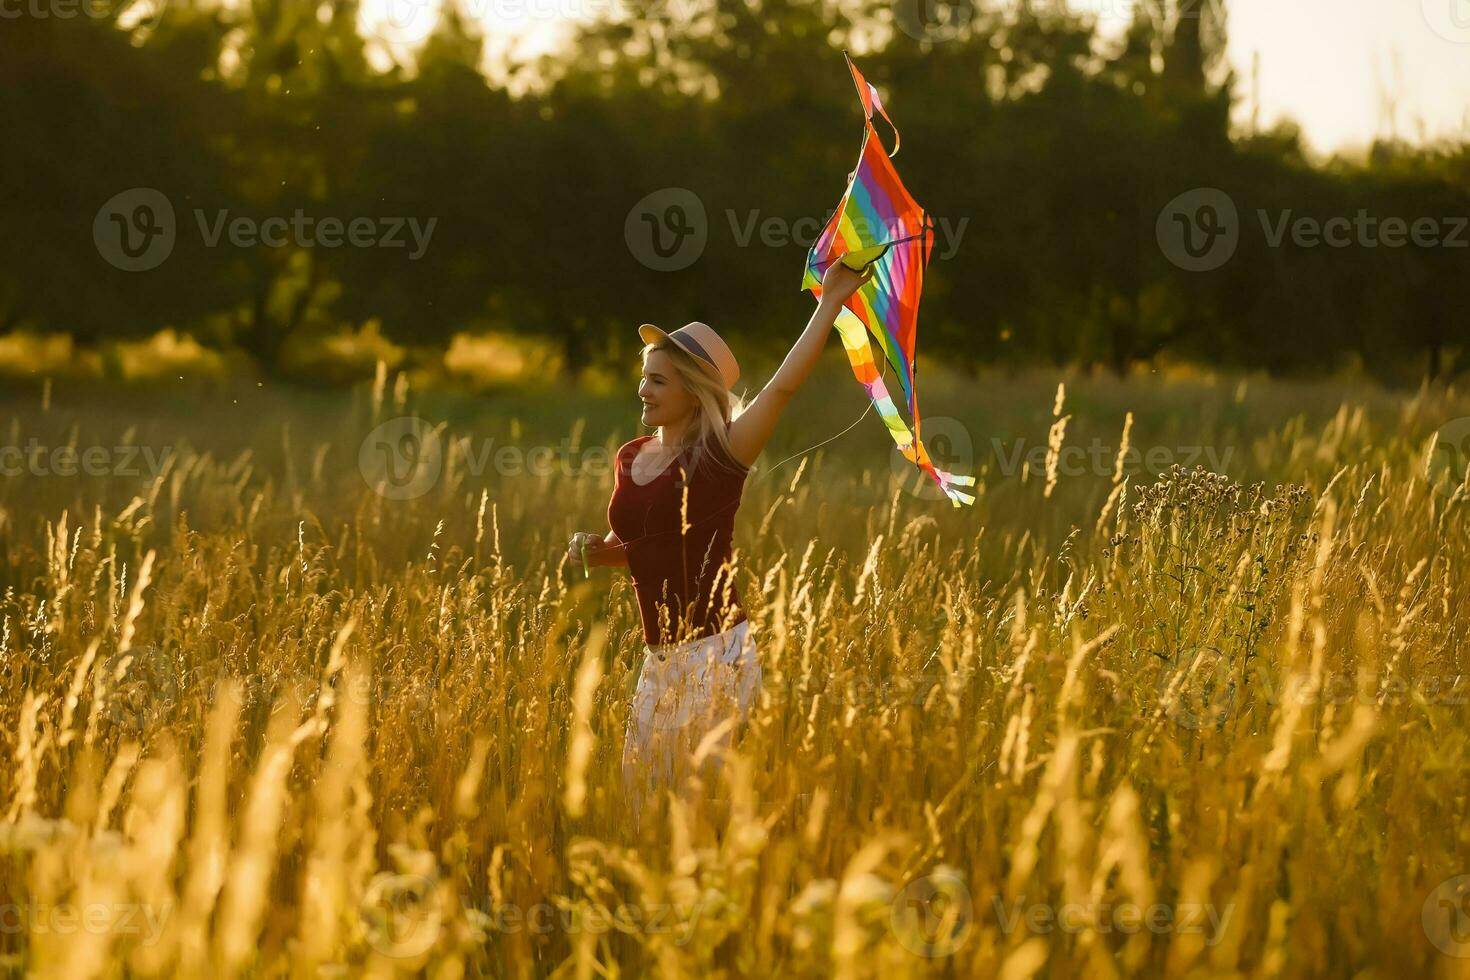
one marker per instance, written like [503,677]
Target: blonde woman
[672,518]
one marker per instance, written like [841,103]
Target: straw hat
[700,340]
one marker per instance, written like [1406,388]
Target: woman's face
[665,399]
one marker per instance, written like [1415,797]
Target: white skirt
[684,691]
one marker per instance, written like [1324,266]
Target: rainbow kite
[879,224]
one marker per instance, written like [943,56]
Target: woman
[672,514]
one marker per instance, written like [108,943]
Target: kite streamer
[879,224]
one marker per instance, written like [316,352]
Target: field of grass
[298,683]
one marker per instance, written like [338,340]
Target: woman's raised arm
[750,432]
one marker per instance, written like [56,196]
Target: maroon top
[681,593]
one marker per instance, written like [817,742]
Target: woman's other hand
[594,542]
[579,540]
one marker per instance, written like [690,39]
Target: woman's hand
[596,545]
[579,540]
[840,282]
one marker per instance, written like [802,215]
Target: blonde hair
[715,406]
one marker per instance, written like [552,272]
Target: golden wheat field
[301,684]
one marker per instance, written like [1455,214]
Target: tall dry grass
[260,719]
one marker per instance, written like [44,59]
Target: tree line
[1093,202]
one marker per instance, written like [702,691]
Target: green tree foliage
[1045,152]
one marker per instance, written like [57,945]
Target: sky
[1347,71]
[1334,65]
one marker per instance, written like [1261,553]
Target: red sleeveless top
[676,570]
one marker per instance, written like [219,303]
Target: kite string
[819,445]
[868,274]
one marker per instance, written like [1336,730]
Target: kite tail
[860,357]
